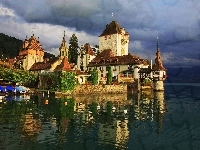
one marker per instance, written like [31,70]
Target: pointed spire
[113,18]
[38,38]
[158,60]
[157,43]
[64,37]
[63,41]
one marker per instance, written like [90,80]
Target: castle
[30,53]
[113,52]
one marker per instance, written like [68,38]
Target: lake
[142,121]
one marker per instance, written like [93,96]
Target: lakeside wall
[100,89]
[96,89]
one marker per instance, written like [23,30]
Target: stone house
[85,56]
[124,68]
[31,52]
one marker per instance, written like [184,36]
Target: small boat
[10,89]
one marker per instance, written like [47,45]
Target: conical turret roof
[111,28]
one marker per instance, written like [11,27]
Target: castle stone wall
[96,89]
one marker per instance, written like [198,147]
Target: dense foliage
[94,76]
[51,79]
[67,81]
[9,46]
[59,81]
[17,76]
[73,49]
[48,55]
[109,76]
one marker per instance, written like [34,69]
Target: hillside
[10,46]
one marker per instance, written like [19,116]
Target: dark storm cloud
[90,16]
[175,22]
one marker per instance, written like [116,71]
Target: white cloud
[6,11]
[137,45]
[50,36]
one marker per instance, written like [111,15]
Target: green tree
[94,76]
[17,76]
[109,75]
[73,49]
[67,81]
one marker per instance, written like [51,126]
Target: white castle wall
[118,43]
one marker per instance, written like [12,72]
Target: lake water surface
[143,121]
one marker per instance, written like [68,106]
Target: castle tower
[63,50]
[30,53]
[115,38]
[159,72]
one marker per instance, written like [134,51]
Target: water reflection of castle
[112,115]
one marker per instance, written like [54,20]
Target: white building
[85,56]
[115,38]
[124,67]
[30,53]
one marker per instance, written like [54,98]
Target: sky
[176,23]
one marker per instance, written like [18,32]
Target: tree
[73,49]
[94,76]
[67,81]
[109,76]
[17,76]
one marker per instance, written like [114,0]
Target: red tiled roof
[105,54]
[40,66]
[112,28]
[64,66]
[33,44]
[88,49]
[106,57]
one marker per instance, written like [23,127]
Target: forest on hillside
[10,47]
